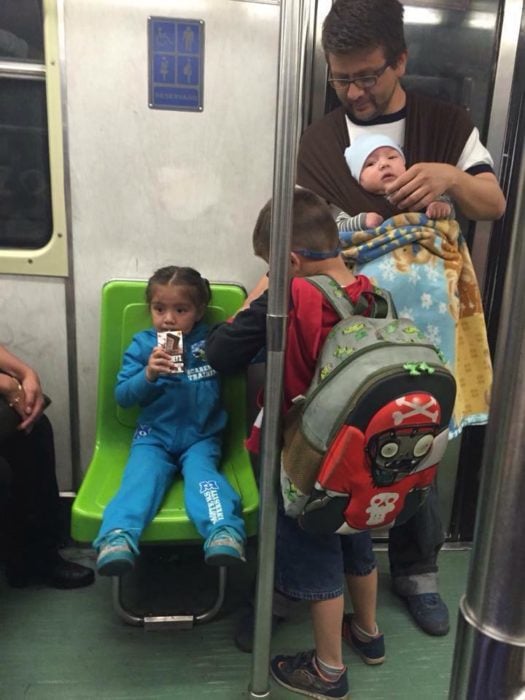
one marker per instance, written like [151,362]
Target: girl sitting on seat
[178,430]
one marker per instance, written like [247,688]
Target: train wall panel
[39,338]
[155,187]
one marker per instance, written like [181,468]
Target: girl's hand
[159,363]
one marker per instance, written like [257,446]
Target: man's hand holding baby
[421,185]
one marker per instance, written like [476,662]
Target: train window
[21,30]
[25,199]
[32,209]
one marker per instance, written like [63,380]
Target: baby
[375,160]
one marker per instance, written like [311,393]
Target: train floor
[69,645]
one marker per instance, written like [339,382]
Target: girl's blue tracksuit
[178,430]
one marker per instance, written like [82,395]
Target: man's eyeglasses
[363,82]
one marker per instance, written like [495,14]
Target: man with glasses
[365,48]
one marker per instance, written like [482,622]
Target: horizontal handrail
[22,70]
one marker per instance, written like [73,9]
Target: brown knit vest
[435,131]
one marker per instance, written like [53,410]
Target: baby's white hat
[362,147]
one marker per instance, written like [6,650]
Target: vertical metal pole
[286,139]
[489,659]
[69,283]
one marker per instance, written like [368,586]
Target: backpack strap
[379,301]
[334,293]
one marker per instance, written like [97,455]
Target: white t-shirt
[474,152]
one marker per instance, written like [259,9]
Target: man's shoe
[245,630]
[300,674]
[68,574]
[429,611]
[224,547]
[116,553]
[371,652]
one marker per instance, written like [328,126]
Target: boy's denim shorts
[312,567]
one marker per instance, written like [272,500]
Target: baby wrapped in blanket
[423,260]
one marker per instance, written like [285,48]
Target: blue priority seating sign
[176,63]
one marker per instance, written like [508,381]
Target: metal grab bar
[291,38]
[22,70]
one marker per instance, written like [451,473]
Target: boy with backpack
[309,566]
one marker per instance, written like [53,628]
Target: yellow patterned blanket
[426,265]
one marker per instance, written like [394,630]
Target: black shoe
[245,629]
[58,573]
[430,612]
[68,574]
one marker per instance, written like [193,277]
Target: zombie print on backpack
[362,447]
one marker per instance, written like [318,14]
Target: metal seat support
[181,621]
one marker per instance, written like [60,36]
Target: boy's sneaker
[116,554]
[300,674]
[224,547]
[372,652]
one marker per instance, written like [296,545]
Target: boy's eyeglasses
[364,82]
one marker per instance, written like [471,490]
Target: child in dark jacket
[178,430]
[309,567]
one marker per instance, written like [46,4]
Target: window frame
[52,258]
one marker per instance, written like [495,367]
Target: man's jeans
[413,548]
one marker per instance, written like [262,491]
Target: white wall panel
[153,187]
[33,327]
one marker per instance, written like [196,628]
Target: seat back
[124,312]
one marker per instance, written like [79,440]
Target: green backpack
[362,447]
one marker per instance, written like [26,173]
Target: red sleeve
[310,319]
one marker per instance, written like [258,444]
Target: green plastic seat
[124,313]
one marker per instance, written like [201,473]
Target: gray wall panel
[34,328]
[153,187]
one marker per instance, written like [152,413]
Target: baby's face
[381,167]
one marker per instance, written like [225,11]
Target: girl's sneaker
[224,547]
[300,673]
[116,554]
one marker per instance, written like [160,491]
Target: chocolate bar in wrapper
[171,342]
